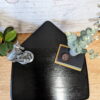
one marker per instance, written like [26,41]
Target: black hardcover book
[73,62]
[43,79]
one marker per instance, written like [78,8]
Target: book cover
[65,59]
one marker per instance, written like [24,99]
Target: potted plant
[7,39]
[79,44]
[12,49]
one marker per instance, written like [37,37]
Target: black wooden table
[43,79]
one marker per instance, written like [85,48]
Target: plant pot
[73,53]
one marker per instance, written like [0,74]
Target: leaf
[83,32]
[3,49]
[93,31]
[9,46]
[84,51]
[90,31]
[91,51]
[8,29]
[1,37]
[10,36]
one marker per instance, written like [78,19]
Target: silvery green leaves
[72,38]
[78,44]
[87,36]
[93,54]
[97,25]
[6,40]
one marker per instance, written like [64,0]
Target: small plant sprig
[7,39]
[78,44]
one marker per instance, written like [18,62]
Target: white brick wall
[27,15]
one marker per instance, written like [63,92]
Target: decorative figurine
[12,49]
[19,55]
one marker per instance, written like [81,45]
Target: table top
[93,71]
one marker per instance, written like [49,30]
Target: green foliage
[9,46]
[3,49]
[11,35]
[8,29]
[93,54]
[6,40]
[83,32]
[1,37]
[79,43]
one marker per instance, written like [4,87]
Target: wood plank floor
[93,71]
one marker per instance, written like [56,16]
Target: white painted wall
[27,15]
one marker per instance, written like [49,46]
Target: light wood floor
[93,70]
